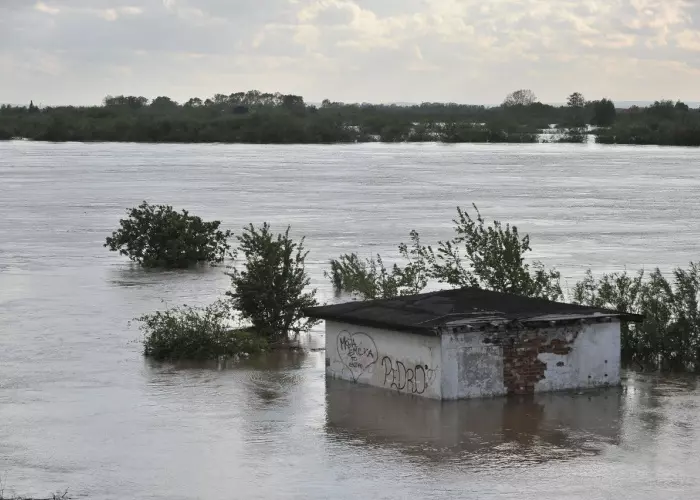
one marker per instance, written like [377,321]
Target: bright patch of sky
[468,51]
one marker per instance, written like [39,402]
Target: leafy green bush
[370,278]
[158,236]
[669,337]
[491,257]
[191,333]
[270,289]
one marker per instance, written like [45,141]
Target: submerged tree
[270,287]
[158,236]
[197,333]
[491,257]
[370,278]
[488,256]
[669,336]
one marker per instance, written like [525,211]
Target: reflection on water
[484,431]
[270,362]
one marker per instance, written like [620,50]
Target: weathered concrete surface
[479,363]
[471,368]
[401,362]
[593,361]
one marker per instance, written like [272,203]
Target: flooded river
[81,409]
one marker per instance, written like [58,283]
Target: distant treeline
[261,118]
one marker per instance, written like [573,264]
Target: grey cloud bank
[77,51]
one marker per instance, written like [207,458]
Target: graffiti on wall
[358,353]
[412,379]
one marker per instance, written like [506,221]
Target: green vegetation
[261,118]
[492,257]
[663,123]
[53,496]
[370,279]
[604,113]
[669,337]
[488,256]
[159,237]
[269,290]
[191,333]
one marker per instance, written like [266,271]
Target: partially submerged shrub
[669,336]
[192,333]
[270,289]
[370,278]
[158,236]
[491,257]
[60,495]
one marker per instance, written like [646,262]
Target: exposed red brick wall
[521,367]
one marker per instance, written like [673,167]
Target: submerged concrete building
[467,343]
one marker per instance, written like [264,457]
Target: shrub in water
[488,256]
[270,288]
[158,236]
[371,279]
[669,337]
[191,333]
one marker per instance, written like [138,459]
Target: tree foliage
[371,279]
[492,257]
[192,333]
[522,97]
[270,287]
[488,256]
[669,337]
[604,113]
[663,123]
[681,106]
[576,100]
[156,236]
[131,102]
[275,118]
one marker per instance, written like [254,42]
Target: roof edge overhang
[493,322]
[550,318]
[419,330]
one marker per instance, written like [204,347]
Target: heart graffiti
[357,351]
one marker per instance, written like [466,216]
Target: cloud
[47,9]
[365,50]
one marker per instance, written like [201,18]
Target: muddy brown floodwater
[81,409]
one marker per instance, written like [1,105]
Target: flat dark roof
[426,312]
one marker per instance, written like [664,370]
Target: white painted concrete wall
[403,362]
[471,369]
[593,362]
[460,366]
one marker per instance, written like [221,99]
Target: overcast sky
[470,51]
